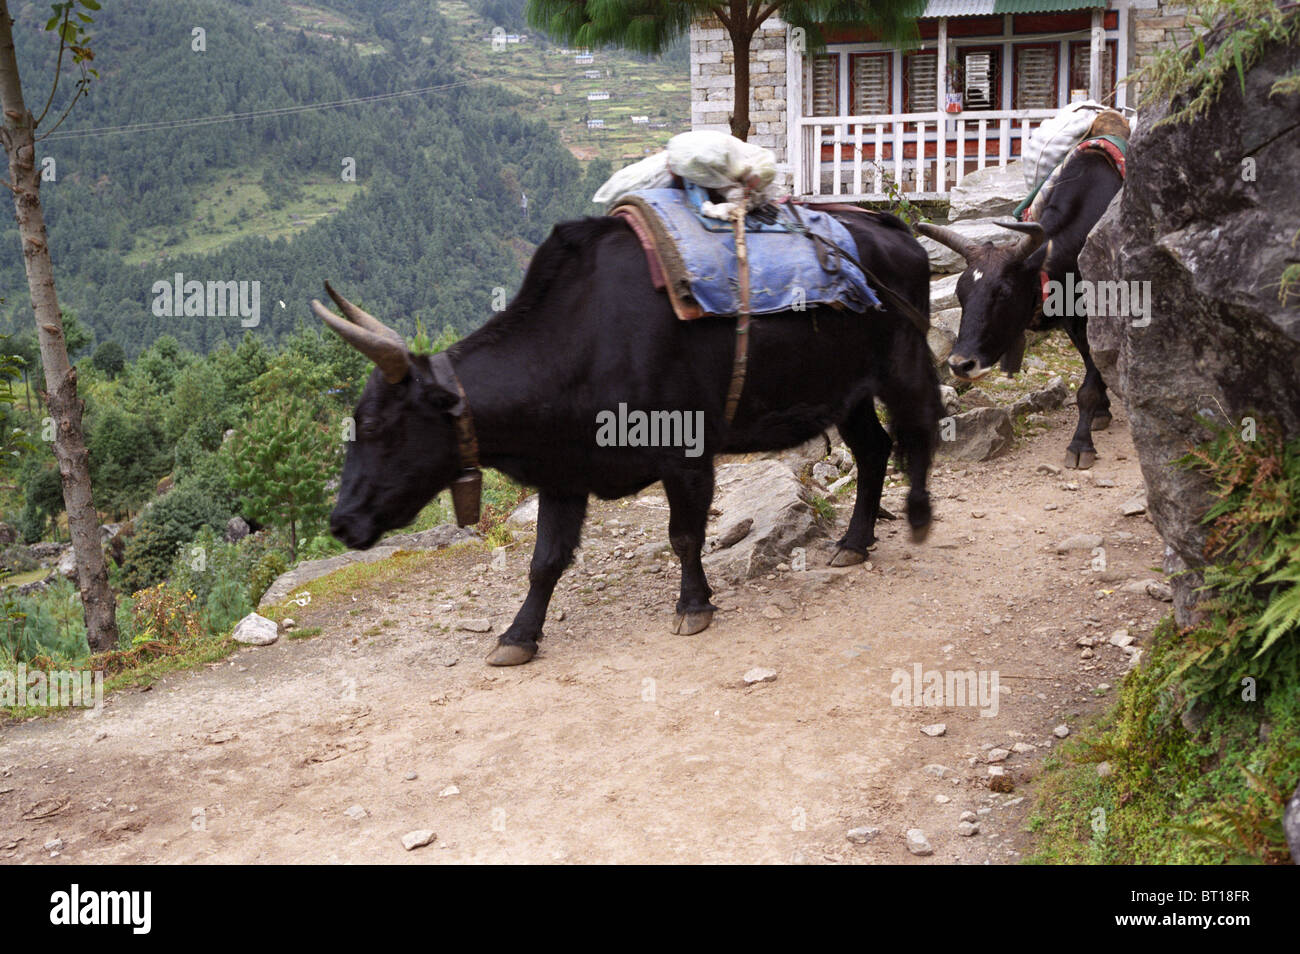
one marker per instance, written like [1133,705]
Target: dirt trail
[621,742]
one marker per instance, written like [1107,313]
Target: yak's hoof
[511,654]
[1100,422]
[1080,460]
[921,534]
[688,624]
[846,557]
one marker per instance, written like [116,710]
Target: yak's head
[999,293]
[405,450]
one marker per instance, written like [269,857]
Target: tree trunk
[18,138]
[741,34]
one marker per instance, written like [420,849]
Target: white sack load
[650,173]
[739,170]
[710,159]
[1052,141]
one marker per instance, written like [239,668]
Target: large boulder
[1208,217]
[979,434]
[236,529]
[255,630]
[436,538]
[943,293]
[765,514]
[944,326]
[992,192]
[525,515]
[67,567]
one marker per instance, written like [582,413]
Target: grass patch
[31,576]
[822,507]
[341,584]
[1204,741]
[144,672]
[1209,794]
[236,205]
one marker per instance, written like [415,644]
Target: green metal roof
[969,8]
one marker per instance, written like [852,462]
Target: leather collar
[467,489]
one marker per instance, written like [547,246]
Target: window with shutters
[920,82]
[824,85]
[1036,79]
[981,79]
[871,86]
[1079,68]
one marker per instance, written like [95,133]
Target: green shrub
[31,523]
[321,546]
[18,559]
[169,524]
[165,614]
[217,573]
[226,605]
[49,624]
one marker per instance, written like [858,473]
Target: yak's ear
[442,398]
[1036,261]
[441,388]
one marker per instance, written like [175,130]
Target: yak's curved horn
[949,237]
[361,317]
[1034,236]
[388,353]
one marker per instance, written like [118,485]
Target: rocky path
[621,742]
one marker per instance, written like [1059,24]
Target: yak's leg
[559,529]
[1092,401]
[689,494]
[1101,414]
[918,447]
[870,444]
[914,412]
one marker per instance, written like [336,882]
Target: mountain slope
[430,226]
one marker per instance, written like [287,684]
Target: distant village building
[591,74]
[595,124]
[584,59]
[597,95]
[640,120]
[852,118]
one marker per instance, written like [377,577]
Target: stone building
[861,119]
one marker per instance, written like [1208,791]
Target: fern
[1282,615]
[1250,622]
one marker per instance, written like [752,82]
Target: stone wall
[1153,25]
[713,85]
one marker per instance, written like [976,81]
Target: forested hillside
[430,225]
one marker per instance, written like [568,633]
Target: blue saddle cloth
[784,271]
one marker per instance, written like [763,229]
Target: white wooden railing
[867,153]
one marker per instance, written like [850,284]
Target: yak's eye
[367,428]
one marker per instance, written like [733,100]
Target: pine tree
[282,460]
